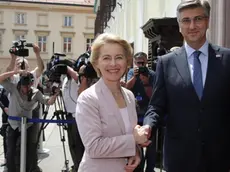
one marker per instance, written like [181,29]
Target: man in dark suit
[193,88]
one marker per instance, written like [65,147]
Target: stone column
[219,32]
[227,24]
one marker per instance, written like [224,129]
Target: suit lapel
[112,105]
[181,63]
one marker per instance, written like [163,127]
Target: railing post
[23,144]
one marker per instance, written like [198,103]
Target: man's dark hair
[193,4]
[140,55]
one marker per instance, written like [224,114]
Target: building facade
[56,26]
[147,23]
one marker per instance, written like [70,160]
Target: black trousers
[31,152]
[3,131]
[76,146]
[149,158]
[13,147]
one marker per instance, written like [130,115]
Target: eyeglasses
[196,20]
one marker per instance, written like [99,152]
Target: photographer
[140,81]
[73,84]
[22,63]
[23,100]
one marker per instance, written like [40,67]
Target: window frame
[42,42]
[67,44]
[20,18]
[89,44]
[68,19]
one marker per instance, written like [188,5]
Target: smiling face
[112,62]
[193,26]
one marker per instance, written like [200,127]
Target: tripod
[60,114]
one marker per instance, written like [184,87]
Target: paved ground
[53,161]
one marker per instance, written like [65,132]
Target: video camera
[19,49]
[143,70]
[88,71]
[56,67]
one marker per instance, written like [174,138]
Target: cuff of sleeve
[132,144]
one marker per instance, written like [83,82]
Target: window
[68,21]
[67,42]
[89,43]
[42,20]
[42,42]
[67,45]
[90,22]
[20,18]
[19,37]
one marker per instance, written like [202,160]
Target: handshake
[142,134]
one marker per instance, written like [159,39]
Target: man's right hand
[139,135]
[147,131]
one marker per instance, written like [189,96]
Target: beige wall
[134,14]
[83,27]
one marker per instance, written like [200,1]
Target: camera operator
[70,87]
[140,81]
[23,100]
[22,63]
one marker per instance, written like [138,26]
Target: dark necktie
[197,74]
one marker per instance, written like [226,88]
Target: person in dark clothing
[4,103]
[192,89]
[140,81]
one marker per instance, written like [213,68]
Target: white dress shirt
[70,95]
[203,59]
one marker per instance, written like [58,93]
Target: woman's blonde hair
[106,38]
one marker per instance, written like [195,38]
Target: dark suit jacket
[196,130]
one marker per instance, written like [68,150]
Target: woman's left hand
[133,162]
